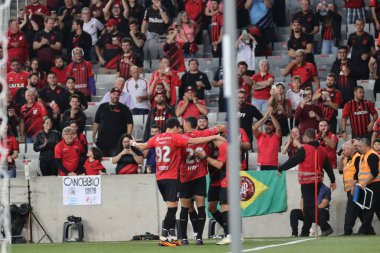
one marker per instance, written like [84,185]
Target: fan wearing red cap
[108,48]
[191,105]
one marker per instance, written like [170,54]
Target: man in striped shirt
[216,29]
[81,70]
[359,111]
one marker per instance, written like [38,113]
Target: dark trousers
[376,88]
[333,125]
[353,212]
[297,215]
[366,227]
[307,191]
[140,111]
[48,167]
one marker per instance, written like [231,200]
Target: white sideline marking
[277,245]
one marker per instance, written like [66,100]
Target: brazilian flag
[262,192]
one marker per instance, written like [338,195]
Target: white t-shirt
[294,98]
[92,27]
[137,88]
[247,54]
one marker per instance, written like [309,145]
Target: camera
[127,147]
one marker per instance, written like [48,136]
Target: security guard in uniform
[311,159]
[369,177]
[350,168]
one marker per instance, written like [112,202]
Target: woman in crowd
[128,158]
[281,107]
[45,143]
[188,31]
[293,143]
[79,135]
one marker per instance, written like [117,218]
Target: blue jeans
[260,104]
[139,111]
[30,139]
[328,47]
[11,171]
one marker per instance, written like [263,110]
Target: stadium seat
[110,168]
[324,59]
[278,61]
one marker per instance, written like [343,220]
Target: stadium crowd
[57,48]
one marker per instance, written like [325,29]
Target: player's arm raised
[201,140]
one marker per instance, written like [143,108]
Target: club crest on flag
[250,189]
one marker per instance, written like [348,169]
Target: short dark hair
[156,126]
[79,22]
[172,123]
[164,57]
[70,78]
[324,119]
[358,87]
[97,153]
[310,133]
[132,21]
[74,96]
[51,73]
[332,75]
[126,40]
[193,59]
[192,120]
[32,74]
[244,63]
[343,47]
[376,140]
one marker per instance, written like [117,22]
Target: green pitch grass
[323,245]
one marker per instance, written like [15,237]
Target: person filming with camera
[308,113]
[329,100]
[128,158]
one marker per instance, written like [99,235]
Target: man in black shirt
[300,40]
[342,68]
[80,38]
[219,83]
[196,79]
[112,119]
[66,15]
[47,44]
[362,46]
[108,48]
[246,114]
[309,21]
[55,98]
[155,24]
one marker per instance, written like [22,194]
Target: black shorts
[192,188]
[223,196]
[213,193]
[169,189]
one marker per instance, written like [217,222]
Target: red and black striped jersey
[359,113]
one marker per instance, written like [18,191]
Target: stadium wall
[132,205]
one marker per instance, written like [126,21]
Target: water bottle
[258,168]
[27,170]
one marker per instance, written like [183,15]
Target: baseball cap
[189,88]
[269,119]
[280,83]
[115,89]
[203,117]
[111,22]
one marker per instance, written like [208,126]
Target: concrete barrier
[132,205]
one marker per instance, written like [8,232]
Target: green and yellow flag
[262,192]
